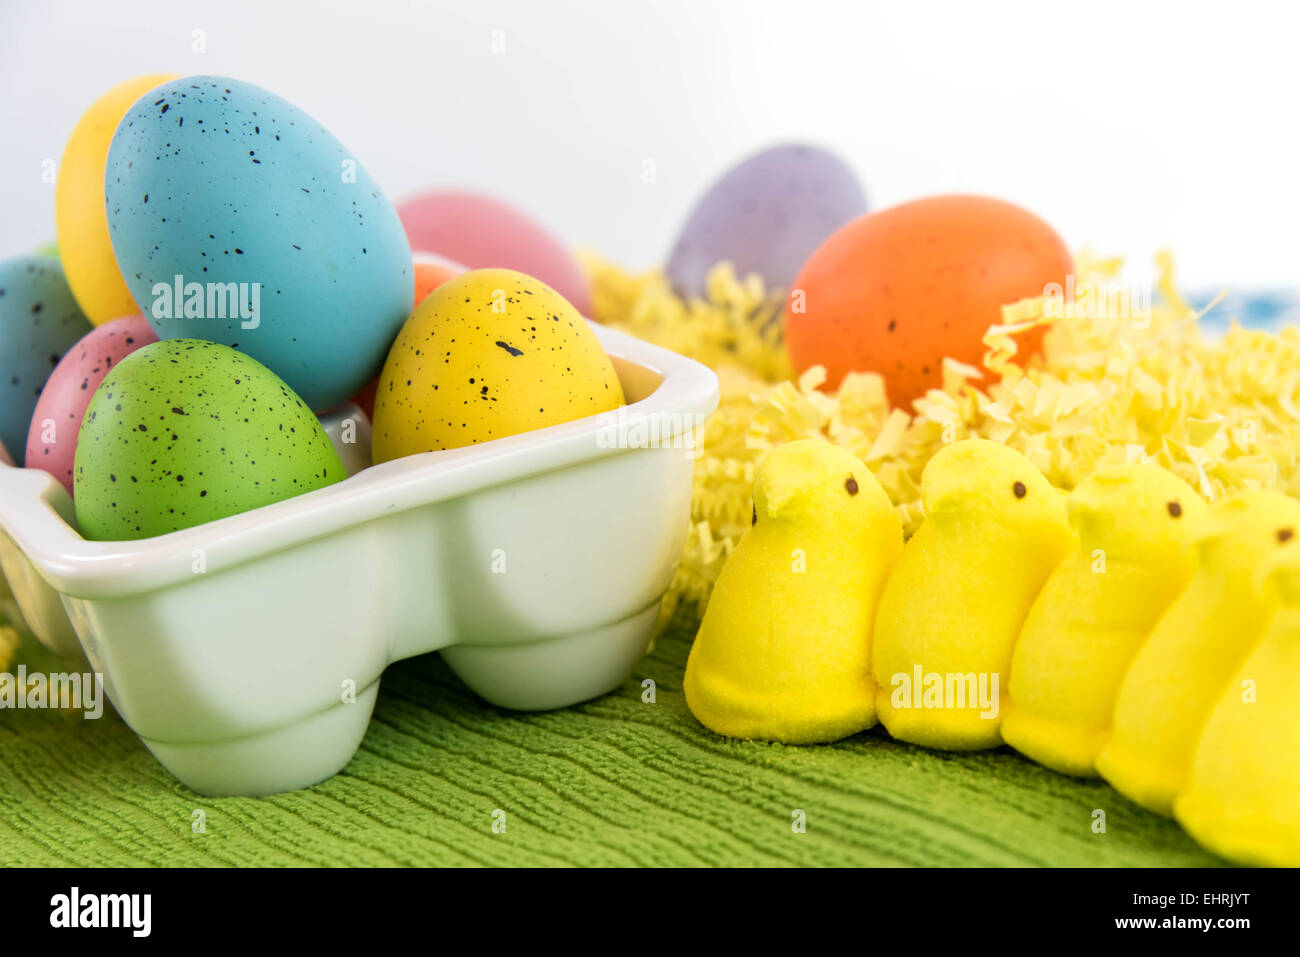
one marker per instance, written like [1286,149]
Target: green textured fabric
[616,781]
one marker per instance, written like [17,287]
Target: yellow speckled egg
[488,354]
[79,211]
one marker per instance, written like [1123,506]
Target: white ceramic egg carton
[535,564]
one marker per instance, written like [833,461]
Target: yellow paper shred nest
[739,325]
[1119,380]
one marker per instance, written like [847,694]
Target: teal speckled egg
[186,431]
[39,322]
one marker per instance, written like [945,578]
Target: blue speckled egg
[39,322]
[767,216]
[212,182]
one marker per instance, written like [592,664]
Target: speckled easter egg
[186,431]
[898,291]
[79,211]
[285,247]
[488,354]
[52,437]
[765,216]
[482,232]
[39,322]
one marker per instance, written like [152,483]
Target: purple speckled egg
[766,216]
[52,437]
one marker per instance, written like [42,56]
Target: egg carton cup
[246,653]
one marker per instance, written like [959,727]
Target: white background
[1128,125]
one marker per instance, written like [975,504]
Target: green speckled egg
[488,354]
[186,431]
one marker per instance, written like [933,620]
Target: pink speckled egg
[52,437]
[483,233]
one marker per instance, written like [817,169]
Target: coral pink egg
[482,233]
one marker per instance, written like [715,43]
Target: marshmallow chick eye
[1020,490]
[1285,534]
[1175,509]
[852,485]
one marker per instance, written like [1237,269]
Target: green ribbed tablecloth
[616,781]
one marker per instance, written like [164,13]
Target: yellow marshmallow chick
[1133,559]
[1243,799]
[1196,647]
[950,613]
[783,652]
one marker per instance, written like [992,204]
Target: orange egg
[429,276]
[897,291]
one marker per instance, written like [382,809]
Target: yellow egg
[488,354]
[79,213]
